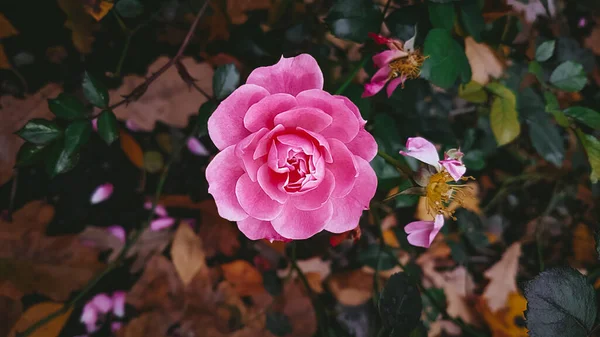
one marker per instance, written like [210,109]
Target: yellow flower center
[441,190]
[408,66]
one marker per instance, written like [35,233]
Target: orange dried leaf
[36,313]
[584,246]
[503,323]
[132,149]
[6,28]
[244,277]
[99,11]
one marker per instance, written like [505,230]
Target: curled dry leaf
[168,99]
[15,113]
[80,23]
[484,62]
[53,266]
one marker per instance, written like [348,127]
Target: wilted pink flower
[161,223]
[396,65]
[294,159]
[101,193]
[195,147]
[101,305]
[439,188]
[118,232]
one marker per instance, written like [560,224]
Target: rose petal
[261,114]
[162,223]
[363,145]
[423,150]
[255,229]
[344,125]
[307,118]
[290,75]
[394,84]
[102,303]
[245,151]
[298,225]
[263,145]
[352,108]
[348,210]
[316,197]
[255,201]
[101,193]
[377,82]
[422,233]
[222,173]
[384,58]
[159,210]
[89,317]
[118,232]
[118,298]
[226,124]
[272,183]
[197,148]
[454,167]
[344,168]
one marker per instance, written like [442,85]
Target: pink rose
[294,159]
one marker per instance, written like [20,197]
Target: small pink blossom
[294,159]
[161,223]
[101,193]
[422,233]
[89,316]
[118,299]
[582,22]
[159,210]
[118,232]
[195,147]
[102,303]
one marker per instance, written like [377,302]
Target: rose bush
[294,159]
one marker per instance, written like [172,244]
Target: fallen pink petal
[195,147]
[118,299]
[101,193]
[118,232]
[162,223]
[159,210]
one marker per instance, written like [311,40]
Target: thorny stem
[315,300]
[75,301]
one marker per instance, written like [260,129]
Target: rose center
[301,171]
[441,191]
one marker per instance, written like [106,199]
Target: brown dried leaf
[484,62]
[503,278]
[150,324]
[352,288]
[168,99]
[10,311]
[244,277]
[584,246]
[187,253]
[503,322]
[80,23]
[299,309]
[36,313]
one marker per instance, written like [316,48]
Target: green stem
[351,76]
[403,168]
[538,232]
[315,300]
[123,55]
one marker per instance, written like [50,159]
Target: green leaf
[30,154]
[95,91]
[129,8]
[400,304]
[108,128]
[353,19]
[406,200]
[536,69]
[206,110]
[403,22]
[446,61]
[545,50]
[225,80]
[586,116]
[59,160]
[458,252]
[504,118]
[373,255]
[569,76]
[39,131]
[591,145]
[546,139]
[472,19]
[153,161]
[473,92]
[553,107]
[474,160]
[278,324]
[442,15]
[560,303]
[77,134]
[66,106]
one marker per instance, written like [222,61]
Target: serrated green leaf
[400,304]
[545,50]
[472,18]
[584,115]
[473,92]
[67,107]
[569,76]
[353,19]
[591,145]
[441,15]
[225,80]
[30,154]
[129,8]
[40,131]
[77,134]
[504,118]
[95,91]
[563,297]
[59,160]
[446,59]
[546,139]
[278,324]
[108,129]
